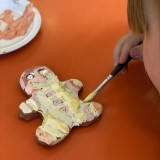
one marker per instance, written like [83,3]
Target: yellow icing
[66,97]
[55,121]
[52,125]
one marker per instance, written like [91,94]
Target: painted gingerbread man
[57,102]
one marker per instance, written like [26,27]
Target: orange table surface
[76,40]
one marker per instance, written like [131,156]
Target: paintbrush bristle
[90,96]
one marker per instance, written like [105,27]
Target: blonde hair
[136,20]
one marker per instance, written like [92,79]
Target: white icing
[25,108]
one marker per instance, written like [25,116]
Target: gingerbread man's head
[36,78]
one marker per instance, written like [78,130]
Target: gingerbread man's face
[57,102]
[37,78]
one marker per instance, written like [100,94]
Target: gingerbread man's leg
[92,111]
[52,130]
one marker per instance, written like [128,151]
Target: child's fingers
[118,49]
[129,43]
[137,52]
[125,52]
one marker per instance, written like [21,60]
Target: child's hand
[129,44]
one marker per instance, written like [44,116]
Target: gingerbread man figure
[56,102]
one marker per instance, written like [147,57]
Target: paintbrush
[116,70]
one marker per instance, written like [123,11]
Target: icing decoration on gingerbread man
[57,102]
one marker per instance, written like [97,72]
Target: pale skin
[145,46]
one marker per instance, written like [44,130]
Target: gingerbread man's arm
[29,110]
[73,86]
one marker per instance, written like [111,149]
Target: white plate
[7,46]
